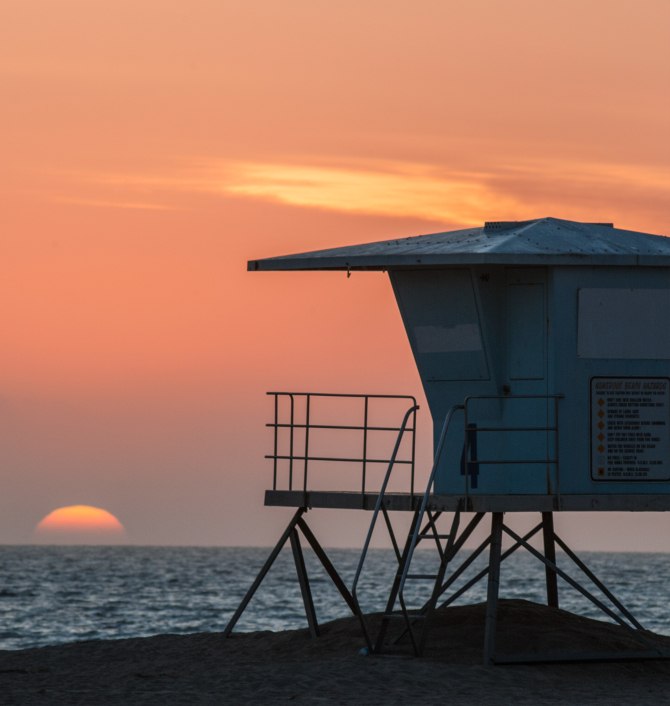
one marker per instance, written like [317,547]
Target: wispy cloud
[628,193]
[513,189]
[395,190]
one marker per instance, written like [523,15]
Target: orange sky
[149,148]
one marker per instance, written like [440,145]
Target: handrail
[378,507]
[343,459]
[424,501]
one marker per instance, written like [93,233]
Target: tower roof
[543,241]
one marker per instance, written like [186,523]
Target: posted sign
[630,428]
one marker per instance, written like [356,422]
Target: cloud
[511,189]
[394,190]
[518,188]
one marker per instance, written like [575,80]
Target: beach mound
[266,667]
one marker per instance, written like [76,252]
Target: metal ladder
[418,532]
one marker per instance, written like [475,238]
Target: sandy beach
[265,667]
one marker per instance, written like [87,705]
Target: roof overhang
[546,242]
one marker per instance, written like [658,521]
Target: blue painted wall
[508,332]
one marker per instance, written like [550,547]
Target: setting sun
[80,524]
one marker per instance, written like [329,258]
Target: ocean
[51,595]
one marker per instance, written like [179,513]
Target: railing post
[276,446]
[290,461]
[466,451]
[365,443]
[307,411]
[411,488]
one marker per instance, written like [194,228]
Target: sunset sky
[151,147]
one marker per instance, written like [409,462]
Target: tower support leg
[291,533]
[303,580]
[493,590]
[550,555]
[264,569]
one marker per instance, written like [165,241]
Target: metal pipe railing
[551,458]
[286,431]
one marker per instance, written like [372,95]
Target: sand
[265,667]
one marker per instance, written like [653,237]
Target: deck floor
[344,500]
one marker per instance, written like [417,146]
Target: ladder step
[422,576]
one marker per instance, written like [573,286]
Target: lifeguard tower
[543,348]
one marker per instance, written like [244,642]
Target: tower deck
[407,502]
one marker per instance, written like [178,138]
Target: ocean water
[51,595]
